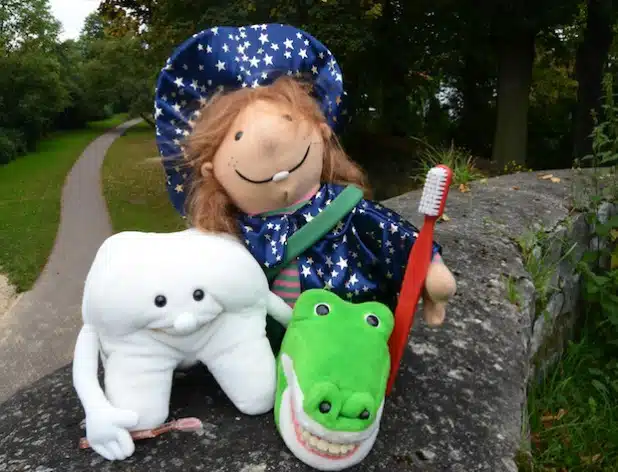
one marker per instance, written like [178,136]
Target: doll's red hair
[208,206]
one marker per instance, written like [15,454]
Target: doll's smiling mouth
[279,175]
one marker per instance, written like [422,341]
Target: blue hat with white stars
[229,58]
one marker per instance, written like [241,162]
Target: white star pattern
[343,263]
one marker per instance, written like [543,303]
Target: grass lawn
[30,194]
[574,413]
[134,185]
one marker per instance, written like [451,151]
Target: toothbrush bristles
[433,191]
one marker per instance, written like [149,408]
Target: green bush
[11,145]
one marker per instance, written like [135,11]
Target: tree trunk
[302,12]
[516,57]
[589,65]
[394,73]
[471,132]
[148,119]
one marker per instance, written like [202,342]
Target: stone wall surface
[461,392]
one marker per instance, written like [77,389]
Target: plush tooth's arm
[85,367]
[278,309]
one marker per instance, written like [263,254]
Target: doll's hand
[107,432]
[439,288]
[434,313]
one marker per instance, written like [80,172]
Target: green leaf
[600,386]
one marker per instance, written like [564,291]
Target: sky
[72,14]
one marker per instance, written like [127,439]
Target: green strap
[321,224]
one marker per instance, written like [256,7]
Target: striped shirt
[287,282]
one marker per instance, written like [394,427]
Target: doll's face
[269,159]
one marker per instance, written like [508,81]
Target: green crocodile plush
[332,371]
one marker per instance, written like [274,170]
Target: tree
[27,24]
[591,60]
[94,28]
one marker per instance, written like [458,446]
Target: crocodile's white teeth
[322,447]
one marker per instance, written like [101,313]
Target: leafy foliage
[574,412]
[47,84]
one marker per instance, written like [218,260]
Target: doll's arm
[390,238]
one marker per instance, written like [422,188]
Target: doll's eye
[322,309]
[160,301]
[372,320]
[238,136]
[287,117]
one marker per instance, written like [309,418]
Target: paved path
[37,336]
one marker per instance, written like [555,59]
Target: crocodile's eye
[372,320]
[325,407]
[322,309]
[160,301]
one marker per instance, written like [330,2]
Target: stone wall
[460,398]
[556,252]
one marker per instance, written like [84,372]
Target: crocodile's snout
[340,410]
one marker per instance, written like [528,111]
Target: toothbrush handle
[409,295]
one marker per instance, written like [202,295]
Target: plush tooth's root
[321,447]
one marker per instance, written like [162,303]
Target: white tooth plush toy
[155,301]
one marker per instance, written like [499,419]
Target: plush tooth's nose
[185,322]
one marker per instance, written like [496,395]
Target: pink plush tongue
[279,176]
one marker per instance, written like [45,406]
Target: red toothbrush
[431,205]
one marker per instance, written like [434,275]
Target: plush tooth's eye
[322,309]
[160,301]
[372,320]
[198,295]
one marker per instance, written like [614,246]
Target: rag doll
[154,302]
[246,120]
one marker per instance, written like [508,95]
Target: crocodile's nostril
[359,406]
[325,407]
